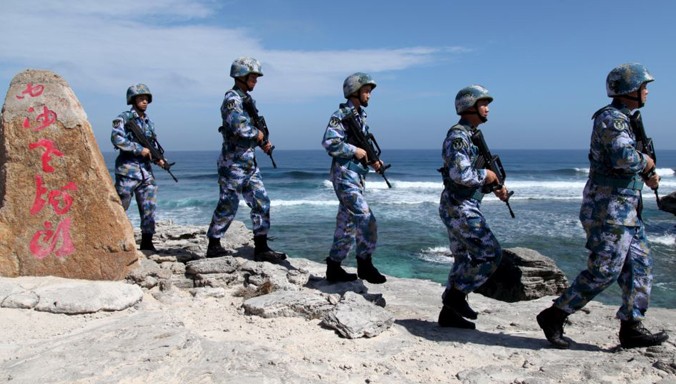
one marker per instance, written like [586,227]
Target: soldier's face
[251,81]
[365,95]
[643,93]
[141,102]
[482,108]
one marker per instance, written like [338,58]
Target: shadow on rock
[430,330]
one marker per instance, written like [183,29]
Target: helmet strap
[243,82]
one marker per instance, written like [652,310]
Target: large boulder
[524,274]
[59,212]
[668,203]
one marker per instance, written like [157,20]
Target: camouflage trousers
[475,249]
[354,222]
[146,198]
[617,253]
[252,190]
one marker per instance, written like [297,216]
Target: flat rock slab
[67,296]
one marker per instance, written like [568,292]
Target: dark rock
[524,274]
[668,203]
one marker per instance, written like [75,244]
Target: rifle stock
[260,124]
[368,143]
[644,144]
[492,162]
[156,150]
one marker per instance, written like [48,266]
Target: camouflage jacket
[129,162]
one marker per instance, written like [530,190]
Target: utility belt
[352,166]
[628,182]
[466,194]
[129,156]
[232,142]
[459,192]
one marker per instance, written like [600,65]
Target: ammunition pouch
[352,166]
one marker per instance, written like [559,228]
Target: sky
[544,61]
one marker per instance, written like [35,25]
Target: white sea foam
[438,255]
[664,239]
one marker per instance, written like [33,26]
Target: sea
[412,240]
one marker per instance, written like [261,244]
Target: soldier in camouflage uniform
[354,221]
[133,172]
[611,217]
[475,249]
[238,172]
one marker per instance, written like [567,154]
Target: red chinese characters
[45,119]
[32,91]
[48,145]
[51,238]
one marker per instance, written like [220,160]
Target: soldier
[348,175]
[476,251]
[133,172]
[611,217]
[238,172]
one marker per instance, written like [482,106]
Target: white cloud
[103,47]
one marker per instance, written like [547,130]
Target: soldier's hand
[145,152]
[260,137]
[360,154]
[161,163]
[502,193]
[267,147]
[653,181]
[377,165]
[650,164]
[491,178]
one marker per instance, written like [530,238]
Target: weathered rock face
[524,274]
[59,212]
[668,203]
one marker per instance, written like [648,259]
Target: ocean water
[412,240]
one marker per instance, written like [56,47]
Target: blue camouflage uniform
[475,249]
[238,172]
[354,220]
[611,217]
[133,172]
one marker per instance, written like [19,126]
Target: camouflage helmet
[137,90]
[627,78]
[355,81]
[468,96]
[243,66]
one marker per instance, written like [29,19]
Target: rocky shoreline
[182,319]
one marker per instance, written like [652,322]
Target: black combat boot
[551,321]
[336,274]
[634,335]
[366,271]
[263,253]
[457,300]
[215,249]
[147,242]
[448,317]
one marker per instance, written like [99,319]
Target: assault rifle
[644,144]
[156,150]
[488,161]
[259,122]
[366,142]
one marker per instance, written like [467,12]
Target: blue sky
[545,63]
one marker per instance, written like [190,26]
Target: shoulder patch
[619,124]
[230,104]
[458,144]
[334,122]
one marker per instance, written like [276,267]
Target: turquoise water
[412,239]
